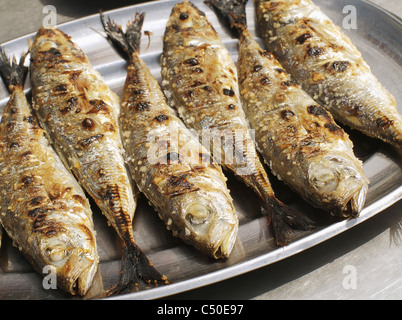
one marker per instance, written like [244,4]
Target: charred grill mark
[79,199]
[315,51]
[34,213]
[88,124]
[13,110]
[74,75]
[286,114]
[98,106]
[337,66]
[198,70]
[51,54]
[265,81]
[288,83]
[161,118]
[257,68]
[110,192]
[28,180]
[208,89]
[30,119]
[304,37]
[265,53]
[88,141]
[26,154]
[142,106]
[280,70]
[137,91]
[229,92]
[183,16]
[191,62]
[36,200]
[72,102]
[172,157]
[318,111]
[384,122]
[61,88]
[333,128]
[14,145]
[178,185]
[231,106]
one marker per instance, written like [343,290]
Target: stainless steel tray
[377,35]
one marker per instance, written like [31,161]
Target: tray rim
[238,269]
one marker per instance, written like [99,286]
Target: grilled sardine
[80,115]
[170,166]
[199,78]
[297,137]
[329,67]
[43,208]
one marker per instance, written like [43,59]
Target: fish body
[170,166]
[297,137]
[80,115]
[199,79]
[329,67]
[43,208]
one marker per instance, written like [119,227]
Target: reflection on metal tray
[377,36]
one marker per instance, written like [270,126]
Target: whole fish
[43,208]
[199,78]
[170,166]
[329,67]
[297,137]
[80,115]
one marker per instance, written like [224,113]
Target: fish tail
[13,73]
[125,42]
[284,219]
[233,10]
[135,266]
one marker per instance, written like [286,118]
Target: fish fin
[135,266]
[284,219]
[233,10]
[13,73]
[125,42]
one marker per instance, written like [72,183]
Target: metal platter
[377,35]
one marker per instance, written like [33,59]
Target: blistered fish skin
[329,67]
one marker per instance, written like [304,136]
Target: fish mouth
[225,240]
[355,203]
[80,276]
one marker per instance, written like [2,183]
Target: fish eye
[56,253]
[197,214]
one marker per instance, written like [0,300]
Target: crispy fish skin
[80,114]
[199,79]
[170,166]
[329,67]
[43,208]
[298,138]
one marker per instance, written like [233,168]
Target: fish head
[208,221]
[72,255]
[339,185]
